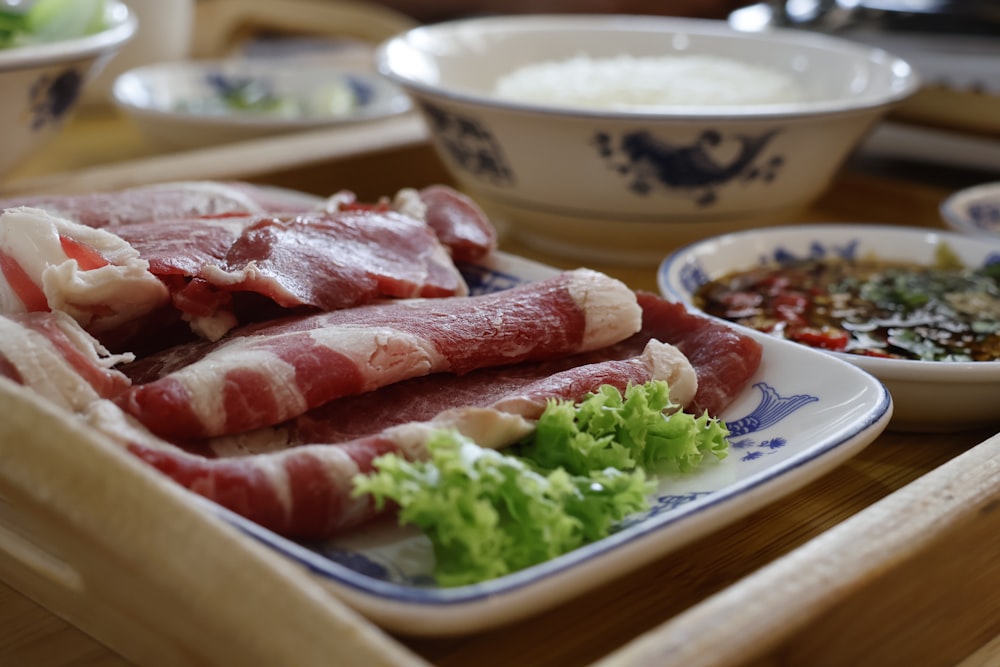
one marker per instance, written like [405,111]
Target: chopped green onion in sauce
[945,312]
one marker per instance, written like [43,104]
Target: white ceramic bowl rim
[422,37]
[955,211]
[892,369]
[122,27]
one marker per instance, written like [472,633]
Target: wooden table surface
[603,623]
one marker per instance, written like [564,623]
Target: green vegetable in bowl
[584,469]
[23,22]
[257,96]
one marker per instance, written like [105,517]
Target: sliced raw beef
[459,223]
[53,356]
[264,375]
[723,375]
[177,252]
[50,263]
[724,358]
[183,247]
[456,220]
[165,201]
[319,260]
[332,260]
[518,389]
[305,492]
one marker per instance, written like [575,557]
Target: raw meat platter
[804,414]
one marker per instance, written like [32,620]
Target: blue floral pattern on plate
[985,215]
[693,274]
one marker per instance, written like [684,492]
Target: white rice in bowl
[629,82]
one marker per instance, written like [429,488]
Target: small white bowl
[624,185]
[928,395]
[974,210]
[183,104]
[41,84]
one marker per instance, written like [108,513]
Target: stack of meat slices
[320,337]
[211,256]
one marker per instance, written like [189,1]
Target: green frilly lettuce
[584,469]
[641,429]
[41,21]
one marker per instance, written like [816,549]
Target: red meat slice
[50,353]
[332,260]
[320,260]
[724,358]
[154,203]
[22,286]
[721,376]
[184,246]
[48,262]
[459,223]
[302,493]
[518,389]
[264,375]
[305,492]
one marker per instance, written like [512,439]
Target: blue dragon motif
[469,144]
[52,96]
[771,410]
[695,169]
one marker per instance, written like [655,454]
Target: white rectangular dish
[802,414]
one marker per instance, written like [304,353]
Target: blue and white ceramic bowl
[927,395]
[625,185]
[41,83]
[974,210]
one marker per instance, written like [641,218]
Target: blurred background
[954,121]
[947,134]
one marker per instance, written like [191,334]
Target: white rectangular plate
[802,414]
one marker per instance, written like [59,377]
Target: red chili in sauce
[867,307]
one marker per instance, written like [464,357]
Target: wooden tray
[137,563]
[892,558]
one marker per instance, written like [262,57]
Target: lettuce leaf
[584,469]
[488,514]
[643,429]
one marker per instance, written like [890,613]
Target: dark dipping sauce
[868,307]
